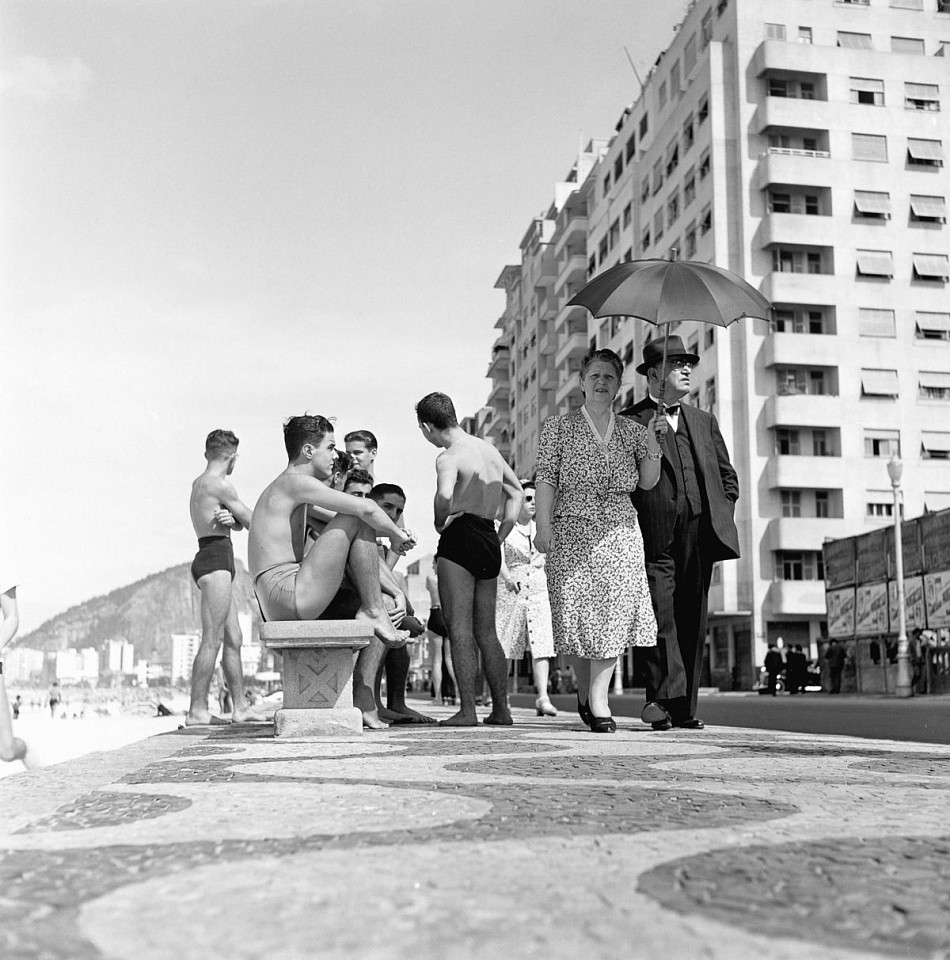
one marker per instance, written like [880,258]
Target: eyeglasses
[681,364]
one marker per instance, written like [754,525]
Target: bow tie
[671,409]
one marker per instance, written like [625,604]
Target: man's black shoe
[666,724]
[654,712]
[691,723]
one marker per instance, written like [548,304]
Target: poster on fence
[915,604]
[870,609]
[937,591]
[840,607]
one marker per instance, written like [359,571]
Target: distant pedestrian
[835,657]
[774,665]
[796,670]
[54,698]
[17,703]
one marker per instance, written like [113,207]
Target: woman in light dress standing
[522,612]
[589,462]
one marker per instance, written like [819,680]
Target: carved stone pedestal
[317,673]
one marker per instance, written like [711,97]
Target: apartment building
[801,145]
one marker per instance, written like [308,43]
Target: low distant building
[23,664]
[77,666]
[184,648]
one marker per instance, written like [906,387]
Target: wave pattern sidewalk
[540,840]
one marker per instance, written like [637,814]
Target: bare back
[207,496]
[479,477]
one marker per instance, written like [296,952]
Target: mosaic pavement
[537,841]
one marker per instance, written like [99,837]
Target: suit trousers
[679,586]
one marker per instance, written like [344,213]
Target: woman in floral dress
[589,462]
[522,612]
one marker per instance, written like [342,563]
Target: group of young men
[317,550]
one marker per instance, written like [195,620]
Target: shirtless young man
[474,487]
[293,586]
[438,640]
[216,509]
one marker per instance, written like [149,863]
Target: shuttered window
[875,263]
[925,151]
[872,204]
[874,322]
[928,208]
[879,383]
[868,146]
[931,266]
[854,41]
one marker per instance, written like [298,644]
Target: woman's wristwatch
[654,456]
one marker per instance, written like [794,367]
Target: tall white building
[121,656]
[802,146]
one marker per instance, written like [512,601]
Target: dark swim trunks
[214,553]
[472,543]
[436,622]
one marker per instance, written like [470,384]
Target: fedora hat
[675,350]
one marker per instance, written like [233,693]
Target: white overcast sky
[223,213]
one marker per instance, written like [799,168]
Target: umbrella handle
[661,403]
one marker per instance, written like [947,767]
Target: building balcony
[797,349]
[500,392]
[804,533]
[574,233]
[789,112]
[791,228]
[572,345]
[498,427]
[547,271]
[805,288]
[567,387]
[809,168]
[803,597]
[572,270]
[806,473]
[803,410]
[548,343]
[568,317]
[796,58]
[548,376]
[498,365]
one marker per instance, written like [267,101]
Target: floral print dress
[597,582]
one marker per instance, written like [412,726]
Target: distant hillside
[145,613]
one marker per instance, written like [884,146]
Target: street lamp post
[894,470]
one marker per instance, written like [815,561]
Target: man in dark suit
[688,525]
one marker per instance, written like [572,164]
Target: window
[933,385]
[799,565]
[822,504]
[672,157]
[811,205]
[907,45]
[796,261]
[882,444]
[618,166]
[922,96]
[672,209]
[661,96]
[908,4]
[804,35]
[854,41]
[943,6]
[924,153]
[775,31]
[932,266]
[703,112]
[607,185]
[628,256]
[657,176]
[704,165]
[924,209]
[943,46]
[689,187]
[933,326]
[869,146]
[820,447]
[709,337]
[880,508]
[644,126]
[631,149]
[675,79]
[705,221]
[879,383]
[626,216]
[721,7]
[934,446]
[790,381]
[705,31]
[876,322]
[645,190]
[689,55]
[603,250]
[787,442]
[869,92]
[872,205]
[658,225]
[592,265]
[689,136]
[875,263]
[691,241]
[791,503]
[645,239]
[614,234]
[780,202]
[709,396]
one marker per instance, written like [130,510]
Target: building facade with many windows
[801,145]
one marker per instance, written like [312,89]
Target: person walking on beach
[474,488]
[216,510]
[11,747]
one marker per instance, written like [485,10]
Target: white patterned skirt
[523,619]
[597,584]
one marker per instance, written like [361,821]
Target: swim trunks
[214,553]
[472,543]
[436,622]
[276,590]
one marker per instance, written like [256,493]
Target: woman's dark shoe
[602,724]
[583,711]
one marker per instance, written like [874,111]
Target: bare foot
[372,722]
[255,714]
[460,719]
[499,717]
[384,630]
[203,720]
[404,715]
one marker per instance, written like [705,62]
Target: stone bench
[317,674]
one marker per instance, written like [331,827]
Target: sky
[226,213]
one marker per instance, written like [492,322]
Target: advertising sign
[839,562]
[935,539]
[915,604]
[870,609]
[937,593]
[840,606]
[913,555]
[871,557]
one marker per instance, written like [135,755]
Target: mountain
[145,613]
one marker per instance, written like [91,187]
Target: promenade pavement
[540,840]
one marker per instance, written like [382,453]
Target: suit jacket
[657,507]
